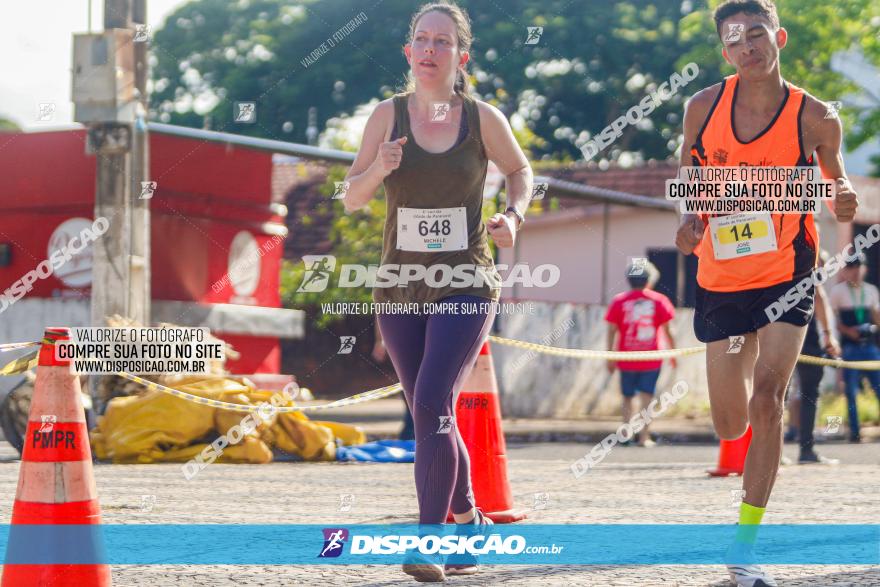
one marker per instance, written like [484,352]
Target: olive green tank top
[449,180]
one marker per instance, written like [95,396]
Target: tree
[8,125]
[592,62]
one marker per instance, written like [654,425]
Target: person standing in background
[819,340]
[634,321]
[857,308]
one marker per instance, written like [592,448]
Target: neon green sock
[749,519]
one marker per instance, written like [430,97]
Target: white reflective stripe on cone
[57,393]
[482,376]
[56,482]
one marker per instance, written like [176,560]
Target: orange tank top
[778,145]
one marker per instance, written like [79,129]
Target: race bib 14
[741,235]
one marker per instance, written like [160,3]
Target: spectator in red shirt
[634,319]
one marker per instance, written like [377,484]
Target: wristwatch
[520,218]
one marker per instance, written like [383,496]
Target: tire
[15,408]
[14,413]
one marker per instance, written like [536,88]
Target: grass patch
[835,405]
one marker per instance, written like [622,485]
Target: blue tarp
[382,451]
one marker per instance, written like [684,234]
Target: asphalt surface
[661,485]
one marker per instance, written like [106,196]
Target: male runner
[755,117]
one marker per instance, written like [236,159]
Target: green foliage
[875,159]
[357,238]
[835,405]
[593,62]
[8,125]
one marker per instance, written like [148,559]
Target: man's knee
[729,404]
[729,428]
[767,407]
[769,382]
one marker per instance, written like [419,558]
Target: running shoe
[467,564]
[810,457]
[742,568]
[750,576]
[423,568]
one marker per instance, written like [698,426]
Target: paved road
[664,485]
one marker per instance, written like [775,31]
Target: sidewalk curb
[521,437]
[594,437]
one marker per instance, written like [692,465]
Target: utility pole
[139,290]
[110,75]
[121,262]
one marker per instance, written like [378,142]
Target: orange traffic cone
[478,417]
[732,455]
[56,484]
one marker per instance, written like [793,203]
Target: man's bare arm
[827,135]
[690,230]
[612,331]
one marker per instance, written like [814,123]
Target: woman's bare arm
[367,172]
[503,150]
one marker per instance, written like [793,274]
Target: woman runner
[430,147]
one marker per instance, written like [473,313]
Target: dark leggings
[810,376]
[432,355]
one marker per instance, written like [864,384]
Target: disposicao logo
[334,540]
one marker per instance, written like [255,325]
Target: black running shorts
[719,315]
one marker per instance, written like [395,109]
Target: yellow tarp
[157,427]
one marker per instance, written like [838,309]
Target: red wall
[206,194]
[259,354]
[45,178]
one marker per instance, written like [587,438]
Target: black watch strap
[516,213]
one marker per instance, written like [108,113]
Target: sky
[36,45]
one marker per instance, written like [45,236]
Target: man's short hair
[764,8]
[641,275]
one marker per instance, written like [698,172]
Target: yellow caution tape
[21,364]
[392,389]
[29,361]
[666,354]
[11,346]
[588,354]
[355,399]
[860,365]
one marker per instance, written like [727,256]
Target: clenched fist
[689,234]
[389,155]
[502,229]
[846,202]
